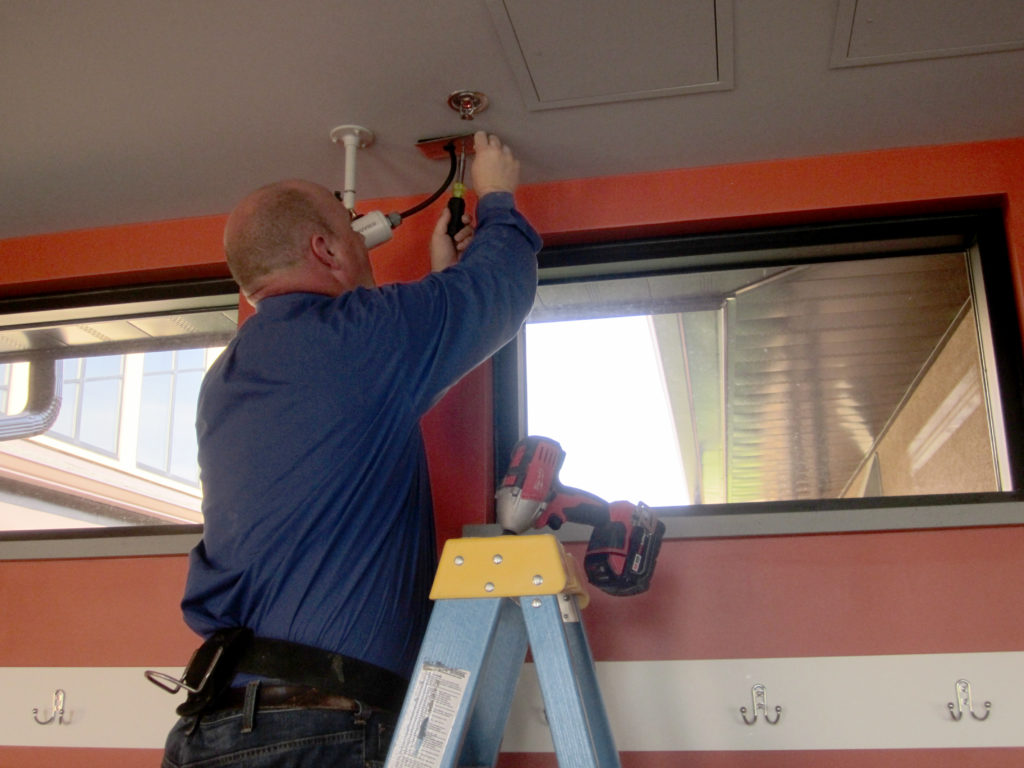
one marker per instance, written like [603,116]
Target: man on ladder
[310,583]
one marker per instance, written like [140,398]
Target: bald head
[271,228]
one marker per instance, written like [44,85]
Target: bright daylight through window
[838,363]
[97,405]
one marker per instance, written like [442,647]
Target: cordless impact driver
[626,537]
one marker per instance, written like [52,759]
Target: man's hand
[444,252]
[494,169]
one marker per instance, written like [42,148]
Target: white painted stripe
[112,707]
[860,702]
[839,702]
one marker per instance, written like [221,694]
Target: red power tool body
[626,539]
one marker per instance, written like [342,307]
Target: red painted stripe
[820,595]
[901,758]
[150,252]
[796,596]
[35,757]
[117,612]
[775,191]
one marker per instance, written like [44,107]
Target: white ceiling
[116,111]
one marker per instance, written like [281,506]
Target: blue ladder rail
[494,599]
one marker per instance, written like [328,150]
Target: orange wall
[888,592]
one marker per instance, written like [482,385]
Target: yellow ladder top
[506,566]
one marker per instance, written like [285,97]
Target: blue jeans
[280,738]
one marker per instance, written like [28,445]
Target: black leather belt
[229,652]
[285,697]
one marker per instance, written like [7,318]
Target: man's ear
[322,251]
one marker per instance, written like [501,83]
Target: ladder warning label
[423,734]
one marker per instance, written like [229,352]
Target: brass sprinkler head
[467,103]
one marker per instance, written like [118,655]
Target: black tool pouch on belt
[212,668]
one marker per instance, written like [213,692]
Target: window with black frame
[794,368]
[98,397]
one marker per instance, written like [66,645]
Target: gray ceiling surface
[118,111]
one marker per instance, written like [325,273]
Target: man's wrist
[497,196]
[494,191]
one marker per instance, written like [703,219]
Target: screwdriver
[457,202]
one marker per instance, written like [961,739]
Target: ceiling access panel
[883,31]
[578,52]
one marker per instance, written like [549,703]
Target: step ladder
[494,598]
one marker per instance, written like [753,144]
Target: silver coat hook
[964,702]
[57,712]
[759,699]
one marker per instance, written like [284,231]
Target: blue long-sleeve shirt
[318,518]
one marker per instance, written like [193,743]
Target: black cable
[450,147]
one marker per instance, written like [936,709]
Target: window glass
[641,406]
[169,391]
[190,359]
[93,416]
[183,427]
[104,366]
[100,414]
[87,416]
[64,426]
[155,414]
[155,362]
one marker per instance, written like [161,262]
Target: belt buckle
[362,713]
[204,662]
[162,679]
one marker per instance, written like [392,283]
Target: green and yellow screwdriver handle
[457,202]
